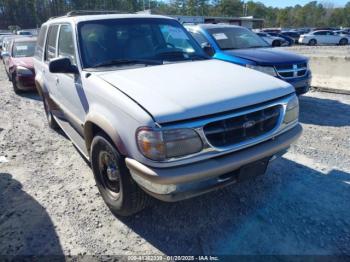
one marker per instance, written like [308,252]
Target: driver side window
[50,51]
[66,43]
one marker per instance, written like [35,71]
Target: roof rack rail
[53,17]
[93,12]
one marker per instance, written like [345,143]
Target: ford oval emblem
[249,124]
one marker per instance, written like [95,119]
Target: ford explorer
[153,114]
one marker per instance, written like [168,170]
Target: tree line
[32,13]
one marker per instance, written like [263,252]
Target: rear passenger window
[50,51]
[320,33]
[39,50]
[66,43]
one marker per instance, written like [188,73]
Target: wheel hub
[109,172]
[112,173]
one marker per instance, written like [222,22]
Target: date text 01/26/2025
[172,258]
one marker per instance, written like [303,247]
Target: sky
[284,3]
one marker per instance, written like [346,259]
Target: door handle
[57,80]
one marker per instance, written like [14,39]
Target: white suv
[152,113]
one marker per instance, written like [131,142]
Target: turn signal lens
[151,144]
[292,110]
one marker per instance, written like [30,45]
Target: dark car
[342,32]
[19,63]
[291,34]
[290,40]
[271,30]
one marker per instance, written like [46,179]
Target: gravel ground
[49,203]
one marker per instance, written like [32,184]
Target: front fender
[98,121]
[39,83]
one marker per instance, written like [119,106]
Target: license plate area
[252,170]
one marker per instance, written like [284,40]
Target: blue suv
[241,46]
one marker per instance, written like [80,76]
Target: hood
[23,61]
[267,56]
[180,91]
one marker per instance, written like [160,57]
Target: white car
[272,40]
[324,37]
[153,113]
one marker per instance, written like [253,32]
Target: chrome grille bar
[291,70]
[241,128]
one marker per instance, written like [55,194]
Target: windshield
[236,38]
[121,42]
[23,49]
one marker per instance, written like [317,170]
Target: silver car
[153,114]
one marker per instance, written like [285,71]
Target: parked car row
[153,112]
[17,55]
[317,36]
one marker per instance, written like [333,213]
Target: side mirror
[62,65]
[208,49]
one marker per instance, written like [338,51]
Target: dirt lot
[49,203]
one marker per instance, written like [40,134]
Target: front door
[71,93]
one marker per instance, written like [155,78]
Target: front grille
[242,128]
[291,70]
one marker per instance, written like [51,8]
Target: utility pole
[245,9]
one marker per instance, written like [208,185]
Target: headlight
[264,69]
[292,110]
[162,145]
[23,71]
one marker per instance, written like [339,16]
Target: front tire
[276,43]
[14,84]
[313,42]
[119,191]
[343,41]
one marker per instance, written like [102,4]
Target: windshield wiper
[201,57]
[257,46]
[126,62]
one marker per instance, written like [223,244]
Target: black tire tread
[346,41]
[137,199]
[14,84]
[312,41]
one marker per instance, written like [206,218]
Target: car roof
[322,31]
[10,37]
[82,18]
[24,39]
[209,26]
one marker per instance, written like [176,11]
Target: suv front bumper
[182,182]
